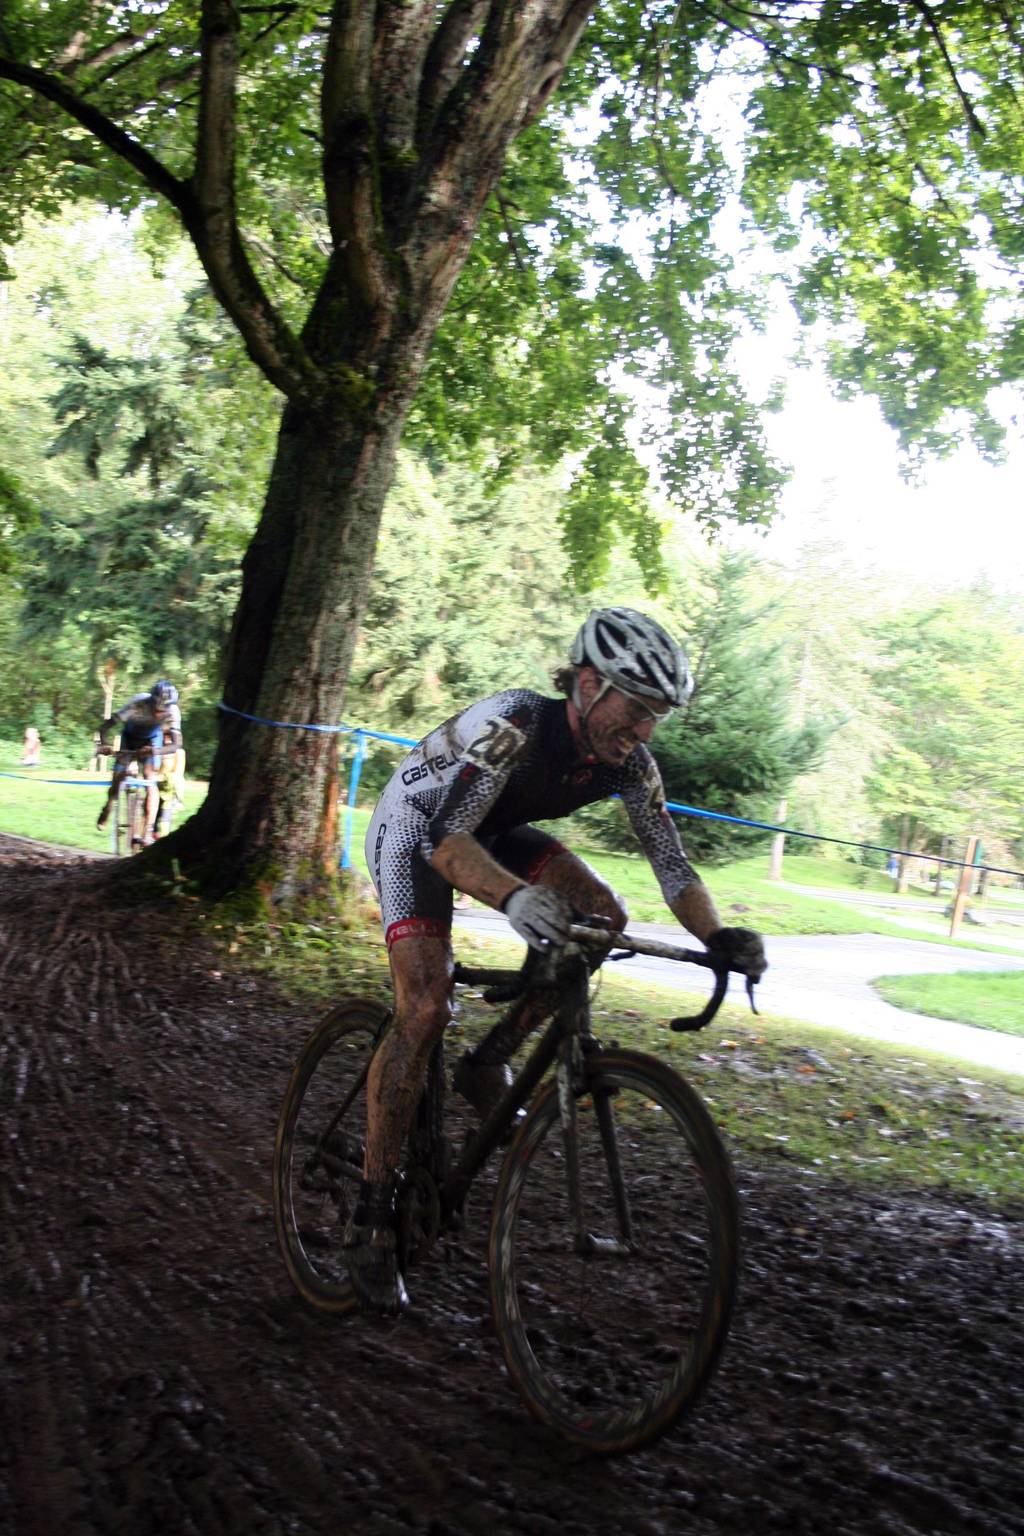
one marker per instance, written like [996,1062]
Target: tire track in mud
[159,1375]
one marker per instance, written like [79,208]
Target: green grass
[66,813]
[60,805]
[743,894]
[779,1089]
[989,999]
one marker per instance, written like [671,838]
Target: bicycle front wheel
[611,1337]
[318,1151]
[122,824]
[137,817]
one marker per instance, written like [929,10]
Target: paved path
[826,980]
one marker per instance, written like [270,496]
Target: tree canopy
[490,223]
[880,144]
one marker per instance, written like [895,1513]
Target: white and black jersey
[140,716]
[490,771]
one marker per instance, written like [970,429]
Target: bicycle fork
[570,1079]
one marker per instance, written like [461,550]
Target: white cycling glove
[538,915]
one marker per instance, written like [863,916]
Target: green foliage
[881,150]
[950,675]
[735,749]
[825,616]
[883,157]
[49,687]
[17,512]
[470,596]
[137,486]
[137,577]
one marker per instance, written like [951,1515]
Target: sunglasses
[640,709]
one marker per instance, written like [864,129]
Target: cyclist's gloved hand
[538,915]
[740,948]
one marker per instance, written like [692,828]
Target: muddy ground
[159,1376]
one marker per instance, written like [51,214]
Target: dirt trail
[157,1374]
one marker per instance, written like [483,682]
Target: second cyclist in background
[145,722]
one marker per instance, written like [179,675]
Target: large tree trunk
[418,107]
[406,185]
[271,812]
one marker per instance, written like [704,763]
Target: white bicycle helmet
[634,654]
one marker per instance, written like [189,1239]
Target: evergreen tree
[133,569]
[735,749]
[949,764]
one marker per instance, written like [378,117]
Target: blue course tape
[678,810]
[32,778]
[845,842]
[284,725]
[336,730]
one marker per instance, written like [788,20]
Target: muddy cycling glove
[740,948]
[538,915]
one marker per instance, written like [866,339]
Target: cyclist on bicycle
[456,815]
[142,723]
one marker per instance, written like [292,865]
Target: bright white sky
[961,517]
[962,520]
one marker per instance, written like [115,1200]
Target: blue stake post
[358,758]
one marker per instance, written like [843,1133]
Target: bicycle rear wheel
[610,1347]
[318,1151]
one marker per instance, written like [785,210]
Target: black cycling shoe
[372,1259]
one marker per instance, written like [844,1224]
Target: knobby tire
[611,1349]
[137,818]
[122,825]
[318,1154]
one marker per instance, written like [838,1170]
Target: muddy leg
[421,972]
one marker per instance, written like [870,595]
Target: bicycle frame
[571,1020]
[127,812]
[568,1038]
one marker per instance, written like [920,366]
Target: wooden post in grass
[964,886]
[778,843]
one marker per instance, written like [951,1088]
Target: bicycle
[129,820]
[614,1237]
